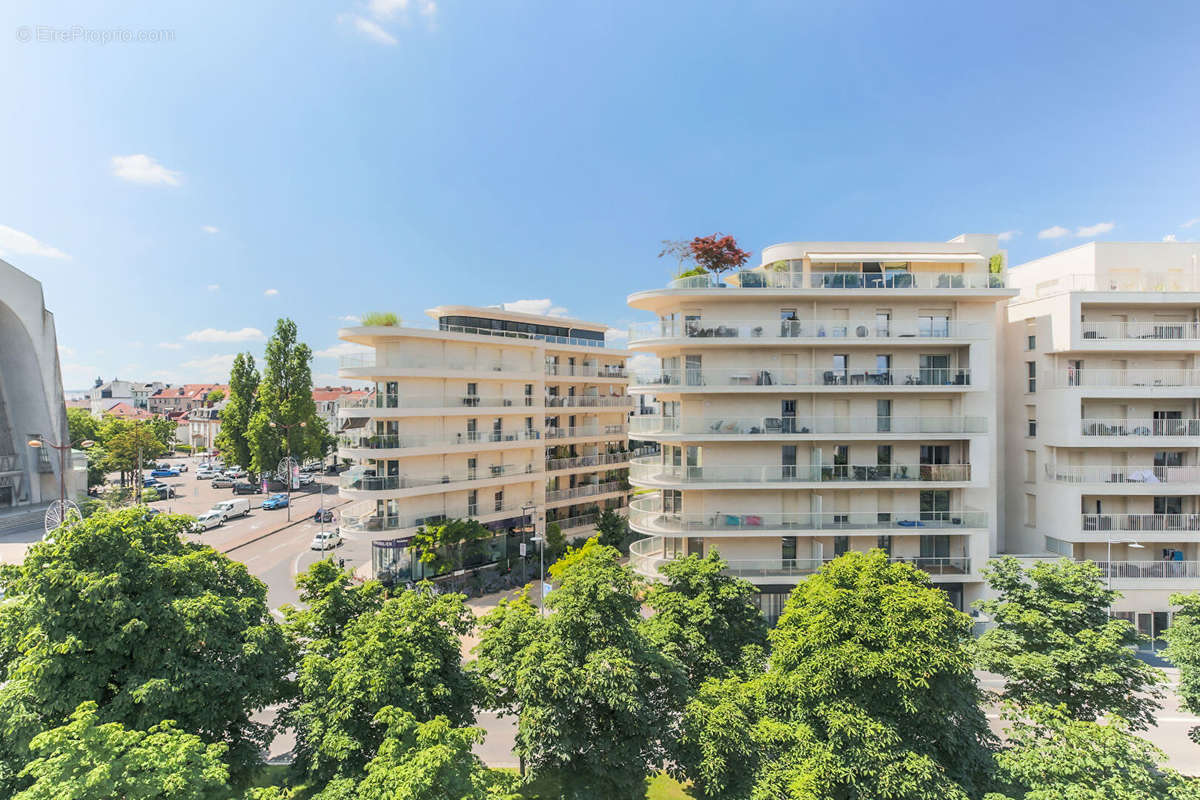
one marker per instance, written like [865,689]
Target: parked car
[181,466]
[323,515]
[305,479]
[158,486]
[209,519]
[222,482]
[233,508]
[205,474]
[327,540]
[163,465]
[245,487]
[164,473]
[311,467]
[275,501]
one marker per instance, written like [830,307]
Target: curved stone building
[31,395]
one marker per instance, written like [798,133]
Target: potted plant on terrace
[710,255]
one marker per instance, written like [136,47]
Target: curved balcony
[647,556]
[800,427]
[395,405]
[649,471]
[369,365]
[768,379]
[1129,476]
[590,490]
[586,432]
[776,331]
[589,401]
[771,279]
[603,372]
[646,515]
[364,516]
[1158,428]
[385,445]
[583,462]
[356,481]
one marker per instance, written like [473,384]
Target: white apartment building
[1103,418]
[840,396]
[489,415]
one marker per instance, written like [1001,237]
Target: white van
[236,507]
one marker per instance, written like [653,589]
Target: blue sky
[356,155]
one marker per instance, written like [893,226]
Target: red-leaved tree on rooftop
[715,254]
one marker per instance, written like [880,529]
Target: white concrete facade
[840,396]
[1103,419]
[31,398]
[486,414]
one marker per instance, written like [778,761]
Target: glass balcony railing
[363,482]
[390,442]
[580,462]
[1155,523]
[770,279]
[648,555]
[869,330]
[586,371]
[589,401]
[1151,378]
[590,490]
[647,515]
[585,431]
[781,426]
[1149,570]
[364,361]
[776,376]
[399,401]
[1062,473]
[649,469]
[1140,427]
[366,516]
[1156,331]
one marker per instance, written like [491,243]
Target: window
[472,389]
[883,323]
[1030,421]
[1030,511]
[1031,342]
[1030,466]
[883,416]
[499,500]
[884,543]
[1031,376]
[787,549]
[933,325]
[472,503]
[841,362]
[935,504]
[840,545]
[789,461]
[1059,546]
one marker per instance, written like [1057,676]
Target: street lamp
[527,510]
[541,540]
[287,442]
[62,449]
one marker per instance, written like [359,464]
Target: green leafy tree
[285,398]
[331,602]
[125,441]
[597,699]
[612,528]
[407,654]
[215,396]
[1052,756]
[81,426]
[424,761]
[450,544]
[706,619]
[508,630]
[1054,642]
[1183,650]
[120,610]
[85,759]
[869,694]
[232,439]
[556,542]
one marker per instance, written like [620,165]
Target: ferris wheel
[61,512]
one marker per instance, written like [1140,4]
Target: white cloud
[342,349]
[142,168]
[544,307]
[1053,232]
[642,362]
[214,335]
[210,229]
[270,292]
[368,28]
[616,333]
[1190,222]
[170,345]
[212,368]
[19,243]
[350,318]
[214,287]
[1007,236]
[1095,230]
[66,352]
[1170,237]
[386,9]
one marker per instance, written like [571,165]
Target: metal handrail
[801,376]
[651,469]
[935,328]
[1139,427]
[769,426]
